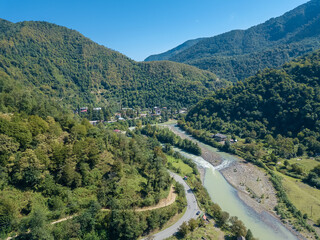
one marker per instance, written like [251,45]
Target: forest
[51,168]
[64,65]
[273,103]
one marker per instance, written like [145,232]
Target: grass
[302,196]
[179,164]
[169,122]
[208,232]
[306,163]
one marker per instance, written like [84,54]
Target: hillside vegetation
[239,54]
[63,64]
[50,169]
[285,101]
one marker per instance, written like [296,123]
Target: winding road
[191,212]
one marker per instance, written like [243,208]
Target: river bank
[251,183]
[254,189]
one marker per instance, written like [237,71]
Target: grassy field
[208,232]
[306,163]
[304,197]
[179,164]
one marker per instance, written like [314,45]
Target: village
[102,115]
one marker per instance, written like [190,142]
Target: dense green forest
[63,64]
[272,102]
[50,168]
[239,54]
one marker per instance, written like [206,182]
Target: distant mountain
[167,55]
[238,54]
[63,65]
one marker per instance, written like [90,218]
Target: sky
[139,28]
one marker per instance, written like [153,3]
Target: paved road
[191,211]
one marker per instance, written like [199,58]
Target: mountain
[67,67]
[238,54]
[167,55]
[284,101]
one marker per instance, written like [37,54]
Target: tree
[300,150]
[223,218]
[192,224]
[237,227]
[37,125]
[38,225]
[183,229]
[8,213]
[87,220]
[249,235]
[7,147]
[78,131]
[296,168]
[28,170]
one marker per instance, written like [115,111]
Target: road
[191,211]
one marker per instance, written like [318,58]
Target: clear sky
[139,28]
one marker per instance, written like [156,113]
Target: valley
[218,138]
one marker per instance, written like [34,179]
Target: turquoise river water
[263,226]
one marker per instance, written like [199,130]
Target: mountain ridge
[168,54]
[230,48]
[64,64]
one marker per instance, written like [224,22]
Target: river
[263,226]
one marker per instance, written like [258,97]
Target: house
[183,110]
[203,216]
[233,140]
[219,137]
[84,109]
[94,123]
[157,110]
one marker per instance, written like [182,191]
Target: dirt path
[162,203]
[63,219]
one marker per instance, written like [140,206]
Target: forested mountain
[62,64]
[238,54]
[167,55]
[285,102]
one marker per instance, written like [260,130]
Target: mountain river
[263,226]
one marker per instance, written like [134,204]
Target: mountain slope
[167,55]
[65,65]
[238,54]
[284,101]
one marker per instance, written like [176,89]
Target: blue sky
[139,28]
